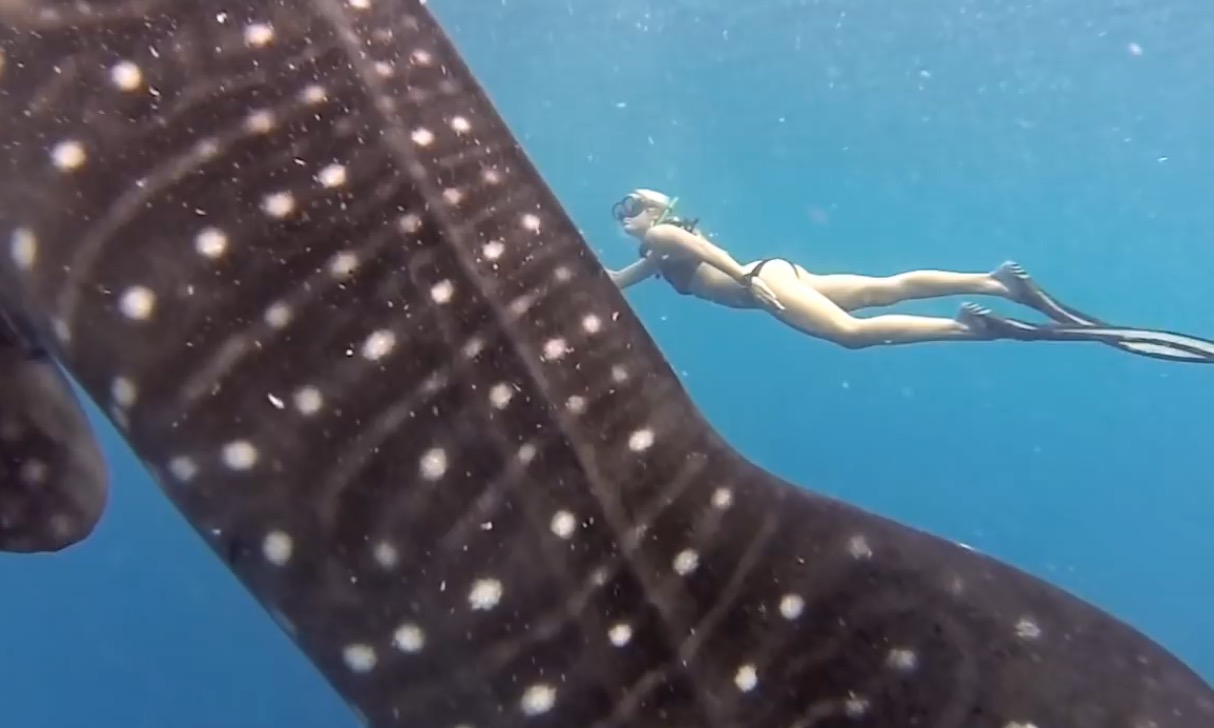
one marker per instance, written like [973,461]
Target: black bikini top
[677,272]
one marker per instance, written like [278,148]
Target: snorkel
[666,212]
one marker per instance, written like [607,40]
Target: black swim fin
[1028,292]
[1166,345]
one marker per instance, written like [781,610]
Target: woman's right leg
[810,311]
[854,292]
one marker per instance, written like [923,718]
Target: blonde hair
[653,198]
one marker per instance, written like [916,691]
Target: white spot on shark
[258,35]
[686,562]
[68,155]
[277,548]
[211,243]
[239,455]
[746,678]
[126,76]
[538,699]
[620,634]
[137,303]
[434,464]
[563,524]
[485,594]
[409,638]
[640,440]
[23,248]
[360,658]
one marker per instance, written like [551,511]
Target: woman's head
[640,210]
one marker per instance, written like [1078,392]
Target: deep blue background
[850,136]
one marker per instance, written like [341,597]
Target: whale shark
[53,476]
[297,258]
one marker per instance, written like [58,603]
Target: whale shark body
[294,254]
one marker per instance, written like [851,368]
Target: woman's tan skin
[818,305]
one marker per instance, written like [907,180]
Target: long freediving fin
[1165,345]
[1027,291]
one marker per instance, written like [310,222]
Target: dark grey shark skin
[291,249]
[54,482]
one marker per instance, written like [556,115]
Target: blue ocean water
[850,136]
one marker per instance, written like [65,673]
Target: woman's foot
[981,322]
[1020,287]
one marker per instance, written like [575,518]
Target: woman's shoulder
[669,230]
[682,223]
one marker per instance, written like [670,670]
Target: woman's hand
[763,293]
